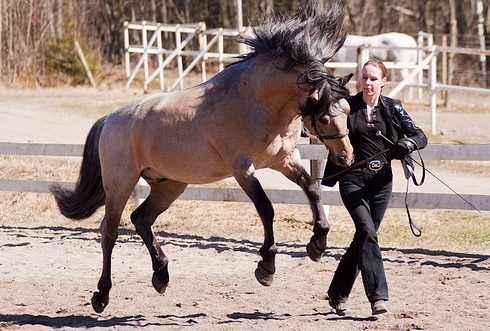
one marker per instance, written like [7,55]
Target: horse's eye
[324,120]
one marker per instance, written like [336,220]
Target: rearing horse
[247,117]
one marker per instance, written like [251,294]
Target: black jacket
[398,125]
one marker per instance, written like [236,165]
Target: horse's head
[325,116]
[308,40]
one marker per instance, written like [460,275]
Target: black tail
[89,193]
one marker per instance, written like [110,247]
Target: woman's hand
[403,147]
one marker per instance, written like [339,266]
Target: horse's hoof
[265,278]
[313,252]
[160,280]
[98,304]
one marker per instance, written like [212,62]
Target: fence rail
[288,196]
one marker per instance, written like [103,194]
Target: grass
[470,167]
[441,229]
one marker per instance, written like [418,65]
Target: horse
[395,49]
[248,116]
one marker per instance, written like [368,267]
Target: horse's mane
[309,38]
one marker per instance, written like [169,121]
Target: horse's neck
[277,88]
[267,93]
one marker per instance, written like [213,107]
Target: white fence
[151,38]
[311,152]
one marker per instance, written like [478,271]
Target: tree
[27,27]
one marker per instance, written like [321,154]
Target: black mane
[309,38]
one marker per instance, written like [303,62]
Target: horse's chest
[274,153]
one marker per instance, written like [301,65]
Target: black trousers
[366,195]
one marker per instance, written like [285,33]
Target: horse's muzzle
[343,160]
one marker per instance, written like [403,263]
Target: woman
[374,122]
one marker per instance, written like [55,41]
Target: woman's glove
[403,147]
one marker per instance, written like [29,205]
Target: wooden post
[432,91]
[180,65]
[481,38]
[444,70]
[127,57]
[202,45]
[160,57]
[220,50]
[420,76]
[85,64]
[144,41]
[316,171]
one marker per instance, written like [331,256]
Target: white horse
[394,49]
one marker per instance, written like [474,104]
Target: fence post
[220,50]
[160,57]
[127,57]
[362,57]
[316,171]
[144,42]
[203,41]
[432,91]
[179,56]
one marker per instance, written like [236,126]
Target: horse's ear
[313,101]
[344,80]
[314,96]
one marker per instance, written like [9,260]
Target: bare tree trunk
[59,31]
[164,11]
[153,10]
[461,19]
[1,39]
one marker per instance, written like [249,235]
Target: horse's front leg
[245,175]
[293,169]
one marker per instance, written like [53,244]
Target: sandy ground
[49,267]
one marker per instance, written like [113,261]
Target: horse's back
[348,53]
[157,132]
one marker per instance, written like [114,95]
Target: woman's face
[372,80]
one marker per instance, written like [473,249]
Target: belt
[373,165]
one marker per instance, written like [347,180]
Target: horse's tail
[89,193]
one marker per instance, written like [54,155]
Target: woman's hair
[378,64]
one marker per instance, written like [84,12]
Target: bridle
[322,138]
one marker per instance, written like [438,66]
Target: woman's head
[373,77]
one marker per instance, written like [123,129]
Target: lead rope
[408,169]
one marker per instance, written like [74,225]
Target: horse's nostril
[345,161]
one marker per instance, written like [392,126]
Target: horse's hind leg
[245,176]
[162,195]
[114,207]
[294,170]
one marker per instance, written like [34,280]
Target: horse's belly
[187,169]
